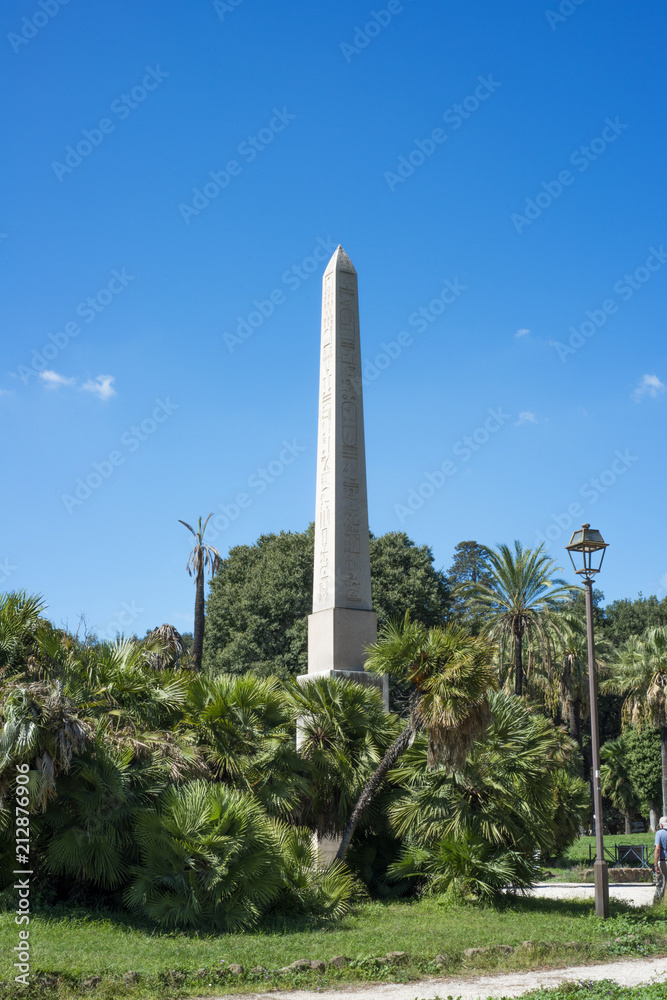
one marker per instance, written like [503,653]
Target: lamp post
[589,546]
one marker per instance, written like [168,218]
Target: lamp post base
[601,876]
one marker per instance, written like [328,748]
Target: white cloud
[100,386]
[650,385]
[525,417]
[54,380]
[522,332]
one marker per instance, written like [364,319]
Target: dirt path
[514,984]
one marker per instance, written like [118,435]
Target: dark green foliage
[261,596]
[470,566]
[624,618]
[20,623]
[467,868]
[89,827]
[209,859]
[642,753]
[344,733]
[403,578]
[258,607]
[518,788]
[246,729]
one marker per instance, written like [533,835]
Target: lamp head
[588,546]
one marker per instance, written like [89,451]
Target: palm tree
[516,789]
[640,673]
[202,558]
[343,734]
[615,780]
[452,673]
[20,623]
[521,605]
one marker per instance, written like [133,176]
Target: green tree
[202,558]
[625,618]
[521,606]
[640,673]
[470,566]
[403,578]
[642,754]
[615,780]
[262,594]
[517,788]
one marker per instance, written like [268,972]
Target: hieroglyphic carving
[326,449]
[341,548]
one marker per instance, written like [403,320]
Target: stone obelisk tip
[340,262]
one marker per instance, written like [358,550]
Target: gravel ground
[483,987]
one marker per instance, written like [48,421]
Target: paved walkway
[633,893]
[483,987]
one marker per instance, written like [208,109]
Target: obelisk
[342,622]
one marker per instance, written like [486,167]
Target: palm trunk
[628,822]
[575,721]
[518,664]
[663,755]
[653,816]
[574,726]
[373,784]
[198,638]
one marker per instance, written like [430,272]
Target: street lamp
[589,547]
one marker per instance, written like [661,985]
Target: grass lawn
[578,852]
[541,933]
[575,860]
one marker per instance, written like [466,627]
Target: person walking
[660,858]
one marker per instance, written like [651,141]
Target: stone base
[327,849]
[358,676]
[337,637]
[622,875]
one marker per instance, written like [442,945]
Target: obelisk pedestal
[342,622]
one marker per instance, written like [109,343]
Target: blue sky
[176,176]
